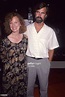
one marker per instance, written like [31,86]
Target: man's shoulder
[49,28]
[30,25]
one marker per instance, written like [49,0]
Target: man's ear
[46,16]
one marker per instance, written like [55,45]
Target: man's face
[40,15]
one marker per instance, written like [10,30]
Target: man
[41,44]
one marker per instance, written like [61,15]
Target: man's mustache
[38,17]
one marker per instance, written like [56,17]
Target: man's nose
[39,14]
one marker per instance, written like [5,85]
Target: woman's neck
[15,37]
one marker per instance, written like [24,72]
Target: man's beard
[38,19]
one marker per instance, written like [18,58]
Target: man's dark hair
[41,5]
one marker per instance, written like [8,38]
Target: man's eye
[42,13]
[37,12]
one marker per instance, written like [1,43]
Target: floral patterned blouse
[13,55]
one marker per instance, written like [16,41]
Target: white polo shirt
[39,43]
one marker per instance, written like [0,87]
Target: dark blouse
[13,56]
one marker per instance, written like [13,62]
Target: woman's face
[15,24]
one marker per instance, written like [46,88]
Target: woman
[13,54]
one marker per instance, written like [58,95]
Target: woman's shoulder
[25,36]
[4,41]
[25,39]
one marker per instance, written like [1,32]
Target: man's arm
[51,52]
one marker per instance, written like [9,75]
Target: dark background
[56,18]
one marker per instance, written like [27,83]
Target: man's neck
[38,26]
